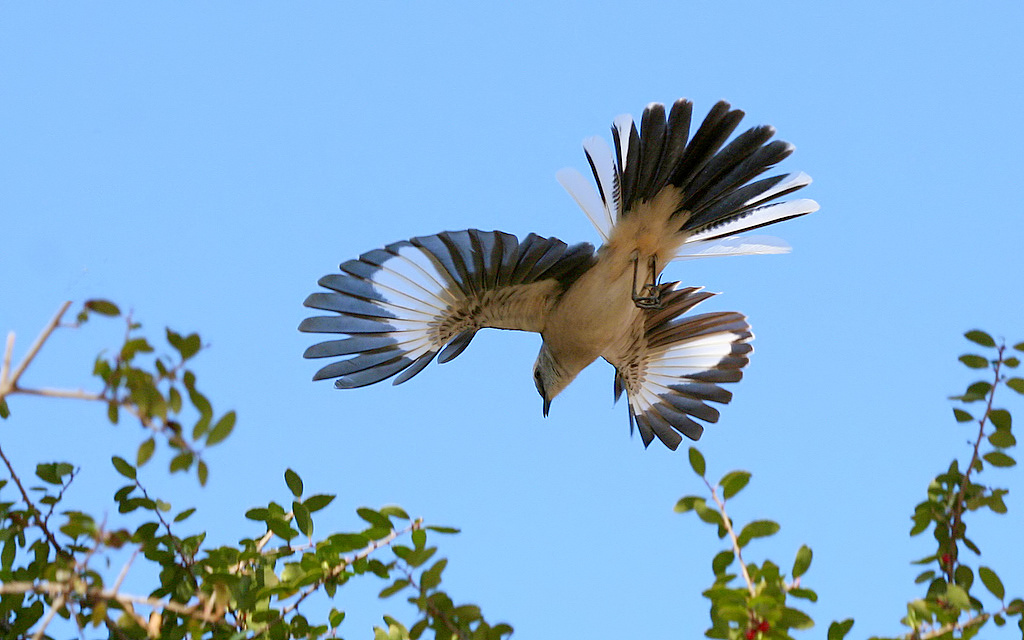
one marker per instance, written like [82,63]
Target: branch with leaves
[252,589]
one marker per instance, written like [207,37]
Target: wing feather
[412,301]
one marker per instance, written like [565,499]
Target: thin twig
[63,393]
[12,383]
[57,605]
[958,502]
[5,368]
[32,507]
[732,536]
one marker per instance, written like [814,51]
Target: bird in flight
[661,195]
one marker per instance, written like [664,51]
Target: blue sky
[204,164]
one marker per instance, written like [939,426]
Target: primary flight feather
[661,195]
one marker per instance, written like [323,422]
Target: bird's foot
[648,295]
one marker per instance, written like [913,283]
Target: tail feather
[716,195]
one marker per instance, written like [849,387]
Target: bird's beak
[547,405]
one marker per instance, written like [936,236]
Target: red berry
[750,634]
[764,626]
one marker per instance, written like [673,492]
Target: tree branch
[732,536]
[109,595]
[10,384]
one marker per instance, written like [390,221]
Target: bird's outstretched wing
[400,305]
[671,365]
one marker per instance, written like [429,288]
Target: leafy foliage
[952,605]
[51,555]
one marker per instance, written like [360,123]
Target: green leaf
[335,617]
[757,529]
[957,596]
[1000,418]
[103,307]
[722,561]
[394,588]
[806,594]
[999,459]
[145,452]
[317,502]
[794,619]
[686,503]
[187,346]
[1002,438]
[222,429]
[5,411]
[697,461]
[432,576]
[123,467]
[446,530]
[803,561]
[1012,362]
[181,462]
[838,630]
[374,518]
[980,337]
[184,514]
[1017,384]
[733,482]
[294,482]
[962,416]
[302,519]
[394,510]
[973,361]
[992,582]
[203,473]
[1019,346]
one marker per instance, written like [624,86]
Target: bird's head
[549,376]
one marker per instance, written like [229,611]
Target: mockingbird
[661,195]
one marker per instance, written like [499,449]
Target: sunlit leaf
[103,307]
[294,482]
[123,467]
[145,452]
[757,529]
[980,337]
[802,562]
[992,582]
[317,502]
[733,482]
[999,459]
[697,461]
[222,429]
[1000,418]
[721,562]
[302,519]
[973,361]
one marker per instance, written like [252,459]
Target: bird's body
[661,196]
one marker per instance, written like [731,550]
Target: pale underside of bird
[661,195]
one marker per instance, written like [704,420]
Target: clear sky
[205,163]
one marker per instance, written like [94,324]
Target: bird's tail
[704,192]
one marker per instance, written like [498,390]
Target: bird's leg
[649,294]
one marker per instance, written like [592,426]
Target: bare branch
[12,383]
[125,600]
